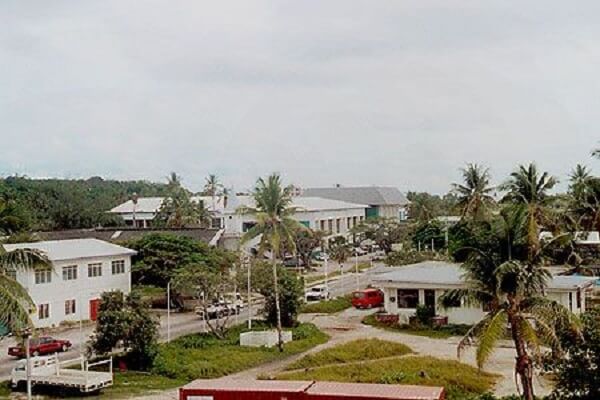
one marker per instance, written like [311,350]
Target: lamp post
[326,259]
[356,271]
[247,262]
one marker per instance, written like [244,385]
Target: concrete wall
[82,290]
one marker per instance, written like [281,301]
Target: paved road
[181,324]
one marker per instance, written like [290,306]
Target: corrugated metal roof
[444,273]
[127,233]
[57,250]
[248,385]
[376,391]
[371,195]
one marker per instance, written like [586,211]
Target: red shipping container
[230,389]
[371,391]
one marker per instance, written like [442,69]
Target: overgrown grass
[330,306]
[460,380]
[131,383]
[357,350]
[441,332]
[203,356]
[5,390]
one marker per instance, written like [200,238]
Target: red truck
[40,346]
[367,298]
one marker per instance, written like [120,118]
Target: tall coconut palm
[475,195]
[529,188]
[213,188]
[513,293]
[15,302]
[273,212]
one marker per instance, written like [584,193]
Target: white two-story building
[82,269]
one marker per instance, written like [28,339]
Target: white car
[317,293]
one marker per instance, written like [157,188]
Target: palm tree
[475,194]
[528,188]
[514,294]
[273,213]
[338,249]
[15,302]
[212,185]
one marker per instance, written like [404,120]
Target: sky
[398,93]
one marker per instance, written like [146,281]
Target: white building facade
[82,269]
[424,283]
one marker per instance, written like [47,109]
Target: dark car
[40,346]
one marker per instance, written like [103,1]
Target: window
[69,307]
[69,273]
[330,226]
[118,267]
[43,276]
[570,301]
[408,298]
[94,270]
[44,311]
[338,224]
[348,222]
[579,299]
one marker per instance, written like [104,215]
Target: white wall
[465,314]
[392,211]
[82,290]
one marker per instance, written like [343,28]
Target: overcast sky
[398,93]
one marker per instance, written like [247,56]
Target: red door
[94,304]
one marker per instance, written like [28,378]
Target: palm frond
[488,337]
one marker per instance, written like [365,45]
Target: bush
[424,314]
[437,332]
[330,306]
[357,350]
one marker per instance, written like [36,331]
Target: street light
[169,312]
[27,334]
[356,270]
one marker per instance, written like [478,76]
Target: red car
[40,346]
[367,298]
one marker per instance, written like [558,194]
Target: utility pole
[247,262]
[356,271]
[326,258]
[169,312]
[28,355]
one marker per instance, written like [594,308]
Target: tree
[529,188]
[178,210]
[306,242]
[424,207]
[274,223]
[577,372]
[126,321]
[290,289]
[514,294]
[383,231]
[15,303]
[161,255]
[475,194]
[208,285]
[338,249]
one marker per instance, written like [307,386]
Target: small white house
[424,283]
[82,269]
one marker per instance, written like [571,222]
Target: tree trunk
[523,367]
[277,306]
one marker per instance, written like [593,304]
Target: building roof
[239,385]
[376,391]
[450,274]
[152,204]
[57,250]
[371,195]
[123,234]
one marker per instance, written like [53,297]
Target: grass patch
[357,350]
[460,380]
[436,332]
[5,390]
[131,383]
[330,306]
[203,356]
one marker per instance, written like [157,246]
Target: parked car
[319,255]
[231,304]
[293,262]
[367,298]
[317,293]
[40,346]
[357,251]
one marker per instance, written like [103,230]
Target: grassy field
[460,380]
[442,332]
[331,306]
[203,356]
[357,350]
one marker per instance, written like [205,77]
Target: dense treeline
[44,204]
